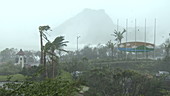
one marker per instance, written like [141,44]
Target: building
[20,59]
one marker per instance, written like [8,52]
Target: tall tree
[53,49]
[42,30]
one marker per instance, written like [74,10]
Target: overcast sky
[19,19]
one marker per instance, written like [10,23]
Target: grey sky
[19,19]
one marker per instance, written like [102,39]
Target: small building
[20,59]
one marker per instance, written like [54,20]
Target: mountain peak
[94,27]
[87,10]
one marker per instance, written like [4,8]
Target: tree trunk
[168,52]
[112,53]
[45,66]
[41,42]
[53,67]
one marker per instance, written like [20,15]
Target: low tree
[167,47]
[102,51]
[9,68]
[111,46]
[8,55]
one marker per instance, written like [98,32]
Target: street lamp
[77,41]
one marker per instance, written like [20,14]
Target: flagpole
[126,36]
[154,37]
[117,43]
[145,39]
[135,40]
[117,24]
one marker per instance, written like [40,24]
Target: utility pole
[117,24]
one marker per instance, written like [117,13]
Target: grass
[16,77]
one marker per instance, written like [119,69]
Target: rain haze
[85,47]
[20,20]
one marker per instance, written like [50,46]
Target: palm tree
[119,35]
[53,49]
[42,29]
[46,48]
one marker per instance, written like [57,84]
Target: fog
[20,20]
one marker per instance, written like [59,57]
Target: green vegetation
[9,68]
[16,77]
[97,78]
[107,82]
[49,87]
[8,55]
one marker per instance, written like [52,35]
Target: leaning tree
[53,50]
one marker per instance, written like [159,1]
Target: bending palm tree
[53,49]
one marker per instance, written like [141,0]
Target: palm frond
[63,50]
[47,46]
[123,32]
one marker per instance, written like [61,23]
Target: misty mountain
[93,27]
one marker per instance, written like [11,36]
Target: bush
[16,77]
[48,87]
